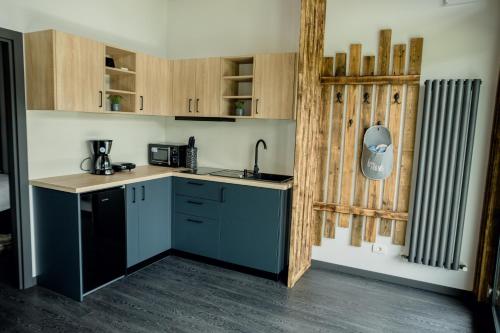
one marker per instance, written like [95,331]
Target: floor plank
[180,295]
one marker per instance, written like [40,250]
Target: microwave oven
[169,155]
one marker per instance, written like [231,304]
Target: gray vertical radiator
[446,145]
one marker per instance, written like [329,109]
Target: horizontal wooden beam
[377,80]
[377,213]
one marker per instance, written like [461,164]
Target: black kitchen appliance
[123,166]
[101,163]
[103,237]
[165,154]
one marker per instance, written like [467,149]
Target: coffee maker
[101,163]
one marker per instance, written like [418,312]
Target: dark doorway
[15,234]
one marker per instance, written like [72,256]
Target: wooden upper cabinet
[64,72]
[184,87]
[274,86]
[153,85]
[208,87]
[196,87]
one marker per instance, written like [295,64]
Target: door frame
[18,156]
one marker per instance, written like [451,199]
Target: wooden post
[312,29]
[490,225]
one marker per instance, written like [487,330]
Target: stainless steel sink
[266,177]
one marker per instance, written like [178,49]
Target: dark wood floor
[179,295]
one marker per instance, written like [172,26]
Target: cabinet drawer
[197,235]
[197,206]
[198,189]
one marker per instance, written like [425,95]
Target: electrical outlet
[379,249]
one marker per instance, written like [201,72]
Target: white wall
[232,145]
[200,28]
[459,42]
[57,141]
[127,23]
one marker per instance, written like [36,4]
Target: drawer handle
[222,194]
[195,202]
[195,183]
[194,221]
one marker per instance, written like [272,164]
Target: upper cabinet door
[153,85]
[208,76]
[184,87]
[79,73]
[274,86]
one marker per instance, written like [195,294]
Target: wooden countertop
[85,182]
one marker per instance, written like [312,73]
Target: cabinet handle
[133,198]
[142,103]
[194,221]
[100,98]
[197,105]
[222,196]
[256,106]
[195,183]
[189,105]
[195,202]
[143,192]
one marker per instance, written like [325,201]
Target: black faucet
[256,165]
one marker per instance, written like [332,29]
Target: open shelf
[240,59]
[118,71]
[236,86]
[237,97]
[119,92]
[127,102]
[121,79]
[239,78]
[122,58]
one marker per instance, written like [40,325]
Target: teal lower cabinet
[253,227]
[237,224]
[197,235]
[149,219]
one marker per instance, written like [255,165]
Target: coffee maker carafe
[101,163]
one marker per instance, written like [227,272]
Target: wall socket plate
[379,249]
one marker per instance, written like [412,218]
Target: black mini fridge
[103,234]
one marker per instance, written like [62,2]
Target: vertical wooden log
[407,146]
[374,186]
[312,29]
[364,124]
[348,167]
[326,94]
[490,224]
[394,123]
[334,174]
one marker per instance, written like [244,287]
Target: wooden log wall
[312,29]
[362,92]
[490,224]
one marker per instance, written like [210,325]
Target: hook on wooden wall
[339,97]
[366,98]
[396,98]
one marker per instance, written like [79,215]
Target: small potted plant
[239,108]
[115,102]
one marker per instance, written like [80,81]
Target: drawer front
[197,235]
[198,189]
[197,206]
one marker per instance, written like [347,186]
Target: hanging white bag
[378,153]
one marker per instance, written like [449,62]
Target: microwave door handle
[168,156]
